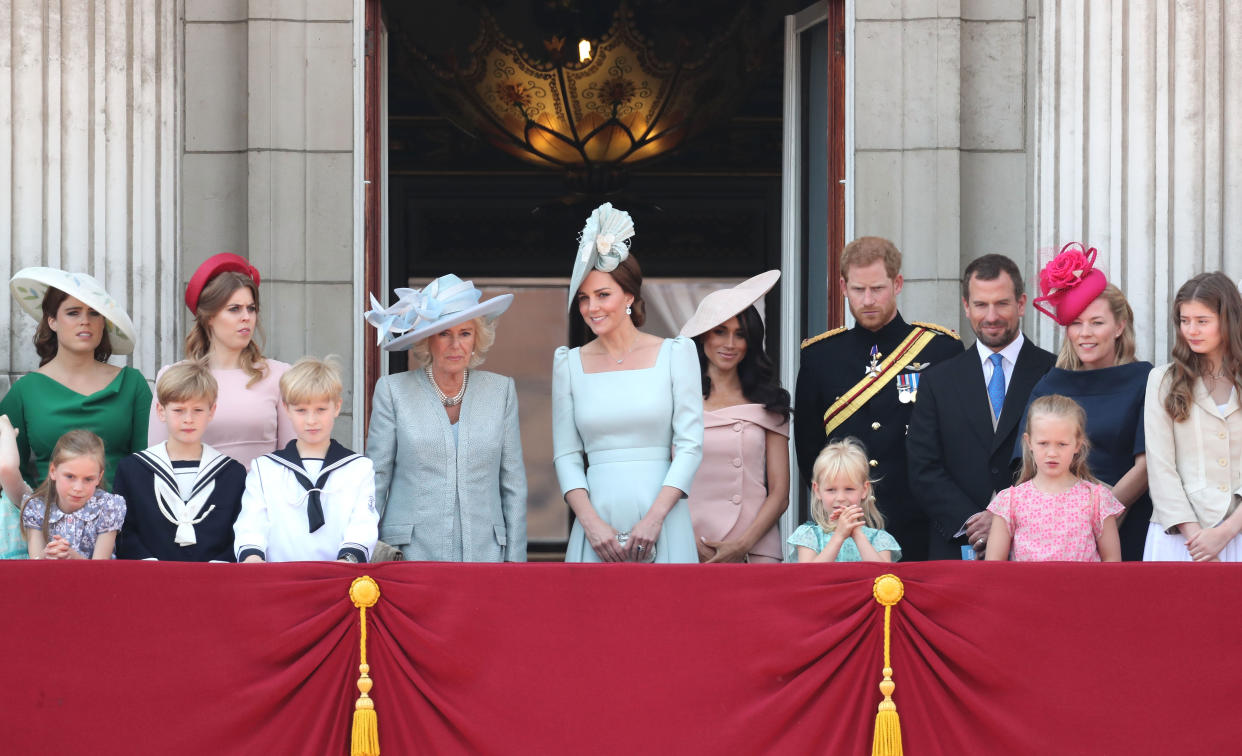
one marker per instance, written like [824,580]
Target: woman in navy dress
[1096,368]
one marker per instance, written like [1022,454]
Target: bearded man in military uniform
[863,382]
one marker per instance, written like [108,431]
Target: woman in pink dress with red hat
[742,485]
[250,421]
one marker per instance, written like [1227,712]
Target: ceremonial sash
[869,386]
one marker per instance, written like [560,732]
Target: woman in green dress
[80,327]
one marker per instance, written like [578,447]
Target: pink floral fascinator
[1070,282]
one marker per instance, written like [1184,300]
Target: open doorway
[443,198]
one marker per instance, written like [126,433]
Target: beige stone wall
[268,164]
[89,119]
[942,139]
[1139,135]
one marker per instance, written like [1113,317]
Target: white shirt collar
[1009,354]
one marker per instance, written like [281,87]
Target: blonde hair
[1056,405]
[216,294]
[484,338]
[844,458]
[311,379]
[186,382]
[1123,347]
[74,444]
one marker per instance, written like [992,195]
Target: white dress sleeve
[687,388]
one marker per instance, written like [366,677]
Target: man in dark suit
[965,423]
[863,382]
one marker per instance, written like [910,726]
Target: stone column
[89,151]
[1139,134]
[941,139]
[269,164]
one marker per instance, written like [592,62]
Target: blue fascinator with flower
[602,245]
[418,313]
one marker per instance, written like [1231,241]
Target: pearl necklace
[446,400]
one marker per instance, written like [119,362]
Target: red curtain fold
[142,658]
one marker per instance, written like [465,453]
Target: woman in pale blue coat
[450,483]
[627,413]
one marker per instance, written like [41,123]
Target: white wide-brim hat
[418,313]
[29,285]
[723,304]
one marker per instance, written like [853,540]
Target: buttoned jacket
[957,459]
[420,474]
[1194,468]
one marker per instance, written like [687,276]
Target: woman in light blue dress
[627,413]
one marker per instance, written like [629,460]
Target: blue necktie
[996,386]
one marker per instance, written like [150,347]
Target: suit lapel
[1208,404]
[1021,383]
[974,396]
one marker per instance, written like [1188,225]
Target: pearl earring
[628,310]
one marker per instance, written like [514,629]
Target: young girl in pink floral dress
[1058,511]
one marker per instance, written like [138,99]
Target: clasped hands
[848,519]
[642,539]
[59,548]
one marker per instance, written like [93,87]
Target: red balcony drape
[144,658]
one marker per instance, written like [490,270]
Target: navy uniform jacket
[834,363]
[148,534]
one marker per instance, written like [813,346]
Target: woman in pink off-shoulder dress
[742,485]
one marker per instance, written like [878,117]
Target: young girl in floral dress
[1058,511]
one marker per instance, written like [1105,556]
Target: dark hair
[1218,293]
[629,276]
[756,371]
[989,268]
[45,339]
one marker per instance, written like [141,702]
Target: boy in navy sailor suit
[313,499]
[183,496]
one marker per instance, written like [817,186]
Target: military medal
[873,370]
[907,387]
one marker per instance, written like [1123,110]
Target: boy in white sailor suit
[183,496]
[313,499]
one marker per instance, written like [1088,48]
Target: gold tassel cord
[886,741]
[364,741]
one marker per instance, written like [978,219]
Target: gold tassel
[364,741]
[886,741]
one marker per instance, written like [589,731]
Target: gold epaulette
[937,328]
[807,342]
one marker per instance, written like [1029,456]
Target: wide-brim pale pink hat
[29,285]
[721,305]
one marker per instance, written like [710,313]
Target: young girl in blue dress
[68,516]
[846,526]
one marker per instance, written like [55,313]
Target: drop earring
[628,310]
